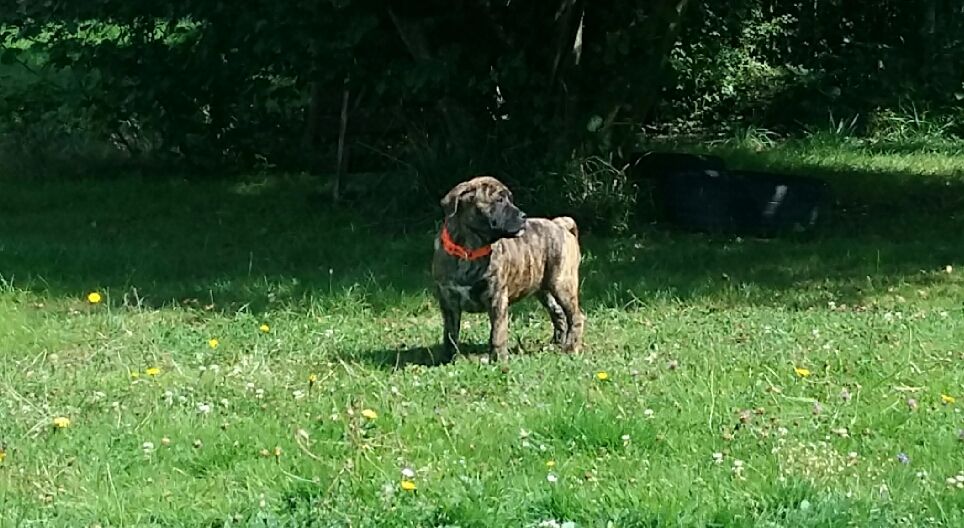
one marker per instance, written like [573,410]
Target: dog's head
[484,206]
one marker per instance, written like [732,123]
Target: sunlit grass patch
[263,365]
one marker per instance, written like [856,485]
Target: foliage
[441,88]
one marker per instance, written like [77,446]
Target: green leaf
[595,123]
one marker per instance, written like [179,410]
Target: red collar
[460,252]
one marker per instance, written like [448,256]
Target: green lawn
[749,382]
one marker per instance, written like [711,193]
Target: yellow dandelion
[153,371]
[802,372]
[602,375]
[61,422]
[408,485]
[312,379]
[264,328]
[213,342]
[948,400]
[94,298]
[550,464]
[370,414]
[3,454]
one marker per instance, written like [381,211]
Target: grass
[703,420]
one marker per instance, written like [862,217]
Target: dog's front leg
[452,323]
[499,319]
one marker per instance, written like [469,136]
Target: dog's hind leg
[560,324]
[567,294]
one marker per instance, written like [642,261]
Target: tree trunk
[313,125]
[457,119]
[928,37]
[570,19]
[672,18]
[342,129]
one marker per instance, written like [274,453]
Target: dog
[489,255]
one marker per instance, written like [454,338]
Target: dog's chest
[473,297]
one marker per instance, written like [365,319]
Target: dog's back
[548,251]
[568,224]
[543,237]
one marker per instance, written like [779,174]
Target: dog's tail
[568,224]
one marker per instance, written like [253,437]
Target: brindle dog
[490,255]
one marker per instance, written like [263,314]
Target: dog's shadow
[429,356]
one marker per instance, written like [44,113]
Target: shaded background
[433,91]
[201,150]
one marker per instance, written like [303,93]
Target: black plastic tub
[657,164]
[695,199]
[746,202]
[766,203]
[681,188]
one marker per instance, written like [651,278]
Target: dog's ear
[450,202]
